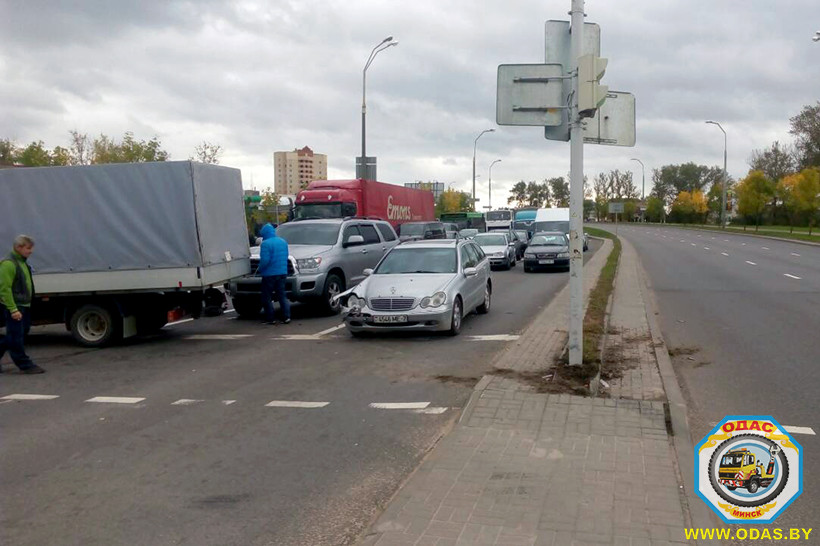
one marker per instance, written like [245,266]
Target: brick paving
[527,468]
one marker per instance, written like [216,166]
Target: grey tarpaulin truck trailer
[119,246]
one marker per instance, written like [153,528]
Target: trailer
[120,247]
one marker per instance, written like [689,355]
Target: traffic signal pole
[576,196]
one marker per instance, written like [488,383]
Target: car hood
[308,251]
[493,249]
[548,248]
[415,285]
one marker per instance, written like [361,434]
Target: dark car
[547,250]
[415,231]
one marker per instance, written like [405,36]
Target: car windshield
[522,234]
[491,240]
[499,215]
[732,459]
[300,233]
[412,229]
[418,260]
[557,225]
[548,240]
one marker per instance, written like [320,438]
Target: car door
[484,271]
[467,285]
[389,237]
[372,244]
[355,258]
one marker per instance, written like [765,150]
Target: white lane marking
[799,430]
[431,411]
[176,322]
[298,337]
[791,276]
[329,330]
[750,263]
[216,337]
[693,244]
[725,240]
[494,337]
[795,254]
[229,311]
[682,241]
[186,402]
[295,404]
[765,248]
[228,402]
[724,253]
[742,244]
[706,248]
[700,235]
[115,399]
[399,405]
[30,397]
[712,237]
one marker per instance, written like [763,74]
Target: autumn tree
[784,192]
[753,194]
[207,152]
[805,127]
[807,194]
[452,200]
[683,207]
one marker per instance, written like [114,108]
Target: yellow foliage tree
[807,194]
[450,201]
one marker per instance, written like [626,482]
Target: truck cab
[740,468]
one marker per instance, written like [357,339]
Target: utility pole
[725,179]
[475,145]
[490,185]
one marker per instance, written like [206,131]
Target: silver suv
[327,256]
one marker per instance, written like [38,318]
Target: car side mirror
[367,272]
[354,240]
[470,271]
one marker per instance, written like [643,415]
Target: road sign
[616,208]
[614,122]
[530,94]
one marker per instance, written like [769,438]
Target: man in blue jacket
[273,268]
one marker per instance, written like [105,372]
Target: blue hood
[268,231]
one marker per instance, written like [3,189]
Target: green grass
[781,232]
[598,299]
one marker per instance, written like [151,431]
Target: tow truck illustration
[740,468]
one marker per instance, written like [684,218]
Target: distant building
[436,187]
[293,171]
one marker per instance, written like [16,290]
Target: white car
[498,247]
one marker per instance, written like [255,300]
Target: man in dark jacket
[16,294]
[273,268]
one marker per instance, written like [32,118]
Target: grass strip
[598,299]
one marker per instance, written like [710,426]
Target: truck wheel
[94,326]
[334,285]
[753,485]
[247,307]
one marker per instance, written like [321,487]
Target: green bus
[465,220]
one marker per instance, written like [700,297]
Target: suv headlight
[563,254]
[436,300]
[309,263]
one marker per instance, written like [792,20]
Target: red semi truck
[342,198]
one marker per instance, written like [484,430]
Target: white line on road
[724,253]
[725,240]
[329,330]
[230,311]
[216,337]
[706,248]
[295,404]
[431,411]
[298,337]
[177,322]
[494,337]
[742,244]
[765,248]
[693,244]
[399,405]
[791,276]
[800,430]
[750,263]
[228,402]
[115,400]
[30,397]
[186,402]
[795,254]
[682,241]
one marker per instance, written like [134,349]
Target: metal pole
[490,185]
[643,184]
[576,196]
[375,51]
[475,144]
[725,178]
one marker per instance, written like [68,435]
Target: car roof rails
[364,218]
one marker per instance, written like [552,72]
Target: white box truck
[119,246]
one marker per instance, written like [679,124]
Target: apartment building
[293,171]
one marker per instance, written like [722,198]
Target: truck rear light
[175,314]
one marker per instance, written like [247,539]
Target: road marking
[494,337]
[693,244]
[713,237]
[431,411]
[115,400]
[329,330]
[682,241]
[706,248]
[30,397]
[724,253]
[742,244]
[800,430]
[765,248]
[400,405]
[725,240]
[791,276]
[295,404]
[750,263]
[176,322]
[186,402]
[216,337]
[228,402]
[298,337]
[795,254]
[229,311]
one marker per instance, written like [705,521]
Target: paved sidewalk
[527,468]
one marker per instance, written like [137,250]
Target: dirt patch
[638,338]
[557,380]
[457,380]
[682,351]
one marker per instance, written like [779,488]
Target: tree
[805,126]
[630,210]
[80,148]
[518,194]
[453,201]
[784,192]
[589,208]
[8,152]
[34,155]
[654,209]
[753,194]
[559,189]
[775,161]
[538,195]
[621,185]
[807,194]
[130,150]
[699,205]
[207,153]
[714,197]
[683,208]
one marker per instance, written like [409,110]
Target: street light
[723,192]
[490,184]
[475,143]
[384,44]
[643,177]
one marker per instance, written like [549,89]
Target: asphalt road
[200,458]
[741,316]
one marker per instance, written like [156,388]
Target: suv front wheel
[334,285]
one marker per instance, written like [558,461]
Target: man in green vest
[16,294]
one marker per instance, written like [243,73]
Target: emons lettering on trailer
[398,212]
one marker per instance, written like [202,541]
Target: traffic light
[591,94]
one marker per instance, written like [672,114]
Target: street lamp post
[490,185]
[384,44]
[725,181]
[475,144]
[643,188]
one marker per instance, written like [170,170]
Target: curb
[734,232]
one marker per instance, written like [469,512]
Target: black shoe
[286,321]
[34,369]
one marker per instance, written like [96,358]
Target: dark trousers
[275,285]
[16,332]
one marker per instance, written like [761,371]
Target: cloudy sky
[257,77]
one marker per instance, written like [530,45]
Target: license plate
[545,262]
[389,319]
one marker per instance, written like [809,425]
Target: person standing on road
[273,268]
[16,294]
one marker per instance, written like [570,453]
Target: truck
[499,220]
[466,220]
[741,468]
[121,249]
[364,198]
